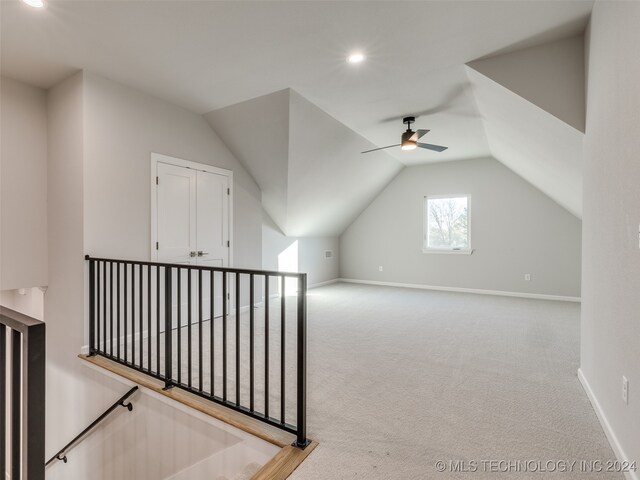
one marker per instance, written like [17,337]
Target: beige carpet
[399,379]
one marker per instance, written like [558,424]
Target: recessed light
[355,58]
[34,3]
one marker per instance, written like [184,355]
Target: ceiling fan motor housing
[406,137]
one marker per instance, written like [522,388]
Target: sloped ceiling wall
[551,76]
[532,107]
[314,180]
[257,133]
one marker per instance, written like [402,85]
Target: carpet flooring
[400,379]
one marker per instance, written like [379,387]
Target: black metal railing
[121,402]
[22,362]
[232,336]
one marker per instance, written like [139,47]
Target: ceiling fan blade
[381,148]
[435,148]
[451,100]
[418,134]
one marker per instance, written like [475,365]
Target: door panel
[212,233]
[177,214]
[193,216]
[176,219]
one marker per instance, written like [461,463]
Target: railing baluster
[141,302]
[200,372]
[224,336]
[168,328]
[133,314]
[237,338]
[301,401]
[111,308]
[92,321]
[179,320]
[149,318]
[158,368]
[212,333]
[125,313]
[189,320]
[118,309]
[16,403]
[98,309]
[251,346]
[282,346]
[104,305]
[266,346]
[3,398]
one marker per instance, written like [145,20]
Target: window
[446,224]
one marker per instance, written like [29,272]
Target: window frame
[425,226]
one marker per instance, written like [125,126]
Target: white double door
[193,229]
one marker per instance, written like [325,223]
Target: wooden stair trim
[284,463]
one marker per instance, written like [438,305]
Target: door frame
[157,158]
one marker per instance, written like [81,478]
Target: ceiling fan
[410,139]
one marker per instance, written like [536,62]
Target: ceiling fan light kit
[409,139]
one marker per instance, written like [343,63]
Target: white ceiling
[551,76]
[207,55]
[312,183]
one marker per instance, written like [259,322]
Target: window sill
[447,252]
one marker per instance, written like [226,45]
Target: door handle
[201,253]
[192,254]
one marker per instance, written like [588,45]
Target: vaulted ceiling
[314,182]
[206,56]
[532,106]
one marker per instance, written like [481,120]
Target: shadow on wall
[315,256]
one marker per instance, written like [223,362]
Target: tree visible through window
[447,223]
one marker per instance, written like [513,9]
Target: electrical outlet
[527,277]
[380,268]
[625,390]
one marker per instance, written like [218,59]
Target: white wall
[611,257]
[515,229]
[28,301]
[75,396]
[100,138]
[308,253]
[122,127]
[160,439]
[23,185]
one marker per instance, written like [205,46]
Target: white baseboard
[538,296]
[322,284]
[606,426]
